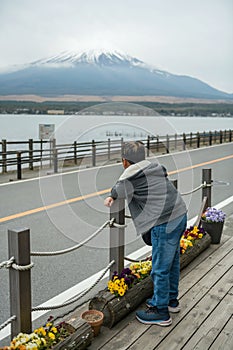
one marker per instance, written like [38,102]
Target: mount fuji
[101,73]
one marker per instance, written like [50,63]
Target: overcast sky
[192,37]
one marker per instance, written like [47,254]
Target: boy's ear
[125,162]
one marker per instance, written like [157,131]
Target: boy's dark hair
[133,151]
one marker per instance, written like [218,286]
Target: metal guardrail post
[30,152]
[19,166]
[4,157]
[206,191]
[230,135]
[191,139]
[20,281]
[117,236]
[175,141]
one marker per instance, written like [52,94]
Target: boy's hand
[108,201]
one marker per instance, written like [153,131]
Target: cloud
[184,37]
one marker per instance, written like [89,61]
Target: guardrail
[20,264]
[44,153]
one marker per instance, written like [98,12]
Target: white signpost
[46,131]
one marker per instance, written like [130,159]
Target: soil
[92,317]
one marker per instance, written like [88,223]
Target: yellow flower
[121,292]
[49,324]
[51,335]
[200,235]
[54,330]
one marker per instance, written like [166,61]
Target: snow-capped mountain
[100,72]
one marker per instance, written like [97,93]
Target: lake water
[85,128]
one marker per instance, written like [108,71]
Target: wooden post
[210,138]
[157,143]
[206,191]
[75,152]
[184,141]
[93,153]
[117,236]
[30,152]
[4,157]
[19,166]
[122,146]
[175,141]
[167,143]
[175,183]
[191,139]
[198,140]
[230,135]
[55,161]
[220,137]
[20,281]
[148,145]
[109,149]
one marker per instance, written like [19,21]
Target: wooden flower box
[116,308]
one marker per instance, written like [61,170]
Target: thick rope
[141,260]
[71,249]
[4,324]
[11,264]
[8,263]
[78,296]
[204,185]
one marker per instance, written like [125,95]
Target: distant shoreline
[92,98]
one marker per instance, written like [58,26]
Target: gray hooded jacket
[151,197]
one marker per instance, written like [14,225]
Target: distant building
[56,111]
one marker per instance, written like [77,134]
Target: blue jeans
[165,271]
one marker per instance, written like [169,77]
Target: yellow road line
[90,195]
[51,206]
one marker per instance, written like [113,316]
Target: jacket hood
[146,166]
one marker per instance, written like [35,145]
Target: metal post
[230,135]
[117,236]
[4,157]
[19,166]
[30,143]
[93,153]
[206,191]
[20,281]
[157,143]
[122,146]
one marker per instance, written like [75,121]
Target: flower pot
[94,318]
[214,229]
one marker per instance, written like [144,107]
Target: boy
[159,215]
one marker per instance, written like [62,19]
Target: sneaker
[153,316]
[173,306]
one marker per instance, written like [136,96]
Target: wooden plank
[203,256]
[186,323]
[225,339]
[212,326]
[150,335]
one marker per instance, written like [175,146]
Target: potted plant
[94,318]
[212,220]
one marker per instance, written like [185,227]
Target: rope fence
[20,265]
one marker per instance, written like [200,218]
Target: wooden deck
[206,318]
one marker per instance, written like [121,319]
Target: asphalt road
[64,209]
